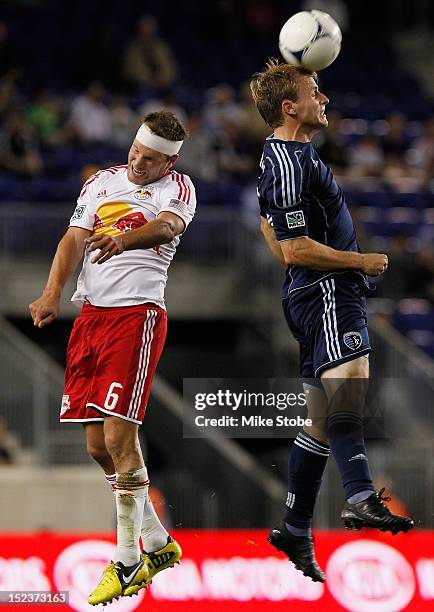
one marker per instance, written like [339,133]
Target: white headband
[151,140]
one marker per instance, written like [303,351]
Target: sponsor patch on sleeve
[78,212]
[295,219]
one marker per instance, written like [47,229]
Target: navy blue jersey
[299,196]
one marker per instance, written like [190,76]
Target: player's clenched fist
[374,264]
[108,245]
[44,310]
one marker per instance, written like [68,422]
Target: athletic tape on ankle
[131,481]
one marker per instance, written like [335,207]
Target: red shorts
[111,360]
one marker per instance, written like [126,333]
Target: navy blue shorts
[329,321]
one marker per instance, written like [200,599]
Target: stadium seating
[415,319]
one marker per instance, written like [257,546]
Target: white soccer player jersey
[110,204]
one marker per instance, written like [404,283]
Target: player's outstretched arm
[272,242]
[311,254]
[68,255]
[161,230]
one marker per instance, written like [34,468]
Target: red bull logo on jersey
[118,217]
[109,215]
[144,193]
[130,222]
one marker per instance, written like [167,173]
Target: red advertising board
[232,571]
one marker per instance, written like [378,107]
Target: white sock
[154,536]
[131,492]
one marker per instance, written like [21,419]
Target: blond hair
[277,82]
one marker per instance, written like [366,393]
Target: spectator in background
[399,175]
[253,128]
[9,53]
[395,141]
[367,157]
[90,120]
[198,154]
[148,60]
[421,281]
[123,122]
[421,154]
[45,115]
[221,109]
[235,163]
[9,96]
[19,150]
[426,232]
[166,101]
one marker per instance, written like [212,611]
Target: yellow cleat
[115,579]
[156,561]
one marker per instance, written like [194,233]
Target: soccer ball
[311,39]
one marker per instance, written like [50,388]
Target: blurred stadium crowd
[73,92]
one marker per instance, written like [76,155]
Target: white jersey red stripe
[89,181]
[109,203]
[184,188]
[112,170]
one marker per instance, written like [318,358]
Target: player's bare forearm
[68,255]
[311,254]
[161,230]
[272,242]
[154,233]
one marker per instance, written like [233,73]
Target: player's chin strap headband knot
[151,140]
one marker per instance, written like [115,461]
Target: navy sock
[345,434]
[306,466]
[299,532]
[359,497]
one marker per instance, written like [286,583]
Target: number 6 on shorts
[112,398]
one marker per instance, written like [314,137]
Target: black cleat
[371,512]
[299,550]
